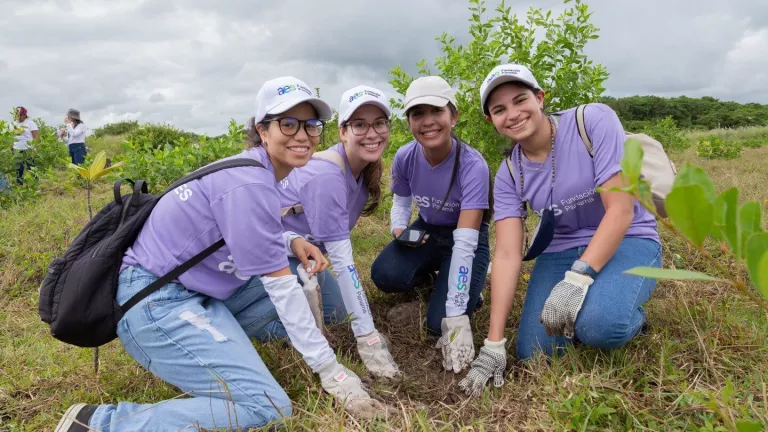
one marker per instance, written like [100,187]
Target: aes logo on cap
[363,93]
[293,87]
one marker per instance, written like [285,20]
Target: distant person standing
[27,132]
[75,136]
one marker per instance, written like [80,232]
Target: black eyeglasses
[360,127]
[290,126]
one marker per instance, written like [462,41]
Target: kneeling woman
[450,182]
[194,333]
[323,201]
[586,239]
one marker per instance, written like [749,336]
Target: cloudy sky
[198,63]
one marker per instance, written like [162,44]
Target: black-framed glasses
[289,126]
[361,127]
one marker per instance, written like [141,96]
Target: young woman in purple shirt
[323,200]
[195,333]
[586,239]
[450,183]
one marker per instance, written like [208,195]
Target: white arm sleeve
[400,215]
[292,308]
[352,292]
[288,237]
[460,275]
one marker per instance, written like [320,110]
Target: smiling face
[516,111]
[289,151]
[371,145]
[431,125]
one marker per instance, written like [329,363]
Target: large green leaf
[98,164]
[749,218]
[632,161]
[106,171]
[690,212]
[732,229]
[762,275]
[662,273]
[694,175]
[84,173]
[756,253]
[718,219]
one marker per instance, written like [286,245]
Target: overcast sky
[198,63]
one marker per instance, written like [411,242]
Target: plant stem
[88,197]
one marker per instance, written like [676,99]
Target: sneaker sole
[68,420]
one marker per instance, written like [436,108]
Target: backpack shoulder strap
[332,156]
[212,168]
[583,128]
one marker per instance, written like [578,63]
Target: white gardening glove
[491,362]
[348,390]
[564,303]
[456,343]
[375,354]
[312,292]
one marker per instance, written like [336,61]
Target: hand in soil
[456,343]
[348,391]
[374,352]
[491,362]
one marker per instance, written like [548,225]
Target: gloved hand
[348,390]
[312,292]
[564,303]
[375,354]
[456,343]
[491,362]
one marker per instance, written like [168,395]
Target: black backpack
[77,296]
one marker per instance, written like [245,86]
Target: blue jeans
[77,152]
[612,313]
[400,268]
[200,345]
[333,303]
[23,159]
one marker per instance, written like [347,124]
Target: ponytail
[372,181]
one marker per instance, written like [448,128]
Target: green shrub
[119,128]
[668,134]
[159,135]
[552,45]
[756,142]
[713,147]
[160,166]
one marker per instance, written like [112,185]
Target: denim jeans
[23,159]
[333,303]
[200,345]
[612,313]
[77,152]
[400,268]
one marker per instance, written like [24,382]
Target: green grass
[109,143]
[702,336]
[736,134]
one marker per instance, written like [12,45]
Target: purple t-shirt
[239,204]
[413,176]
[577,206]
[333,200]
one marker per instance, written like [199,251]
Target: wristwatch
[582,267]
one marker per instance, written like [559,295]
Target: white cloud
[198,63]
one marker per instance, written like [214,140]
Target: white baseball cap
[430,90]
[503,74]
[281,94]
[356,97]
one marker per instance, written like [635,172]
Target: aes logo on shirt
[183,192]
[421,201]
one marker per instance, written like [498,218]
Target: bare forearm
[607,238]
[504,276]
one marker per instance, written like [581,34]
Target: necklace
[551,155]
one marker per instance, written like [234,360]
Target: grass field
[675,377]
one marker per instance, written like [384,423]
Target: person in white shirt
[27,134]
[75,136]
